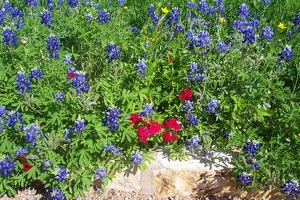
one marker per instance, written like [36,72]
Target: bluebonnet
[112,52]
[254,23]
[178,28]
[103,17]
[22,83]
[21,152]
[267,32]
[249,35]
[147,110]
[193,143]
[6,166]
[190,4]
[207,153]
[2,16]
[193,73]
[58,96]
[89,17]
[7,6]
[202,39]
[79,83]
[152,14]
[2,122]
[72,3]
[227,134]
[211,106]
[46,164]
[3,111]
[110,120]
[191,118]
[188,105]
[16,14]
[290,188]
[221,8]
[136,158]
[250,149]
[134,30]
[296,20]
[53,46]
[57,194]
[222,46]
[100,173]
[60,2]
[61,173]
[67,134]
[141,67]
[210,10]
[243,10]
[111,148]
[8,37]
[254,164]
[79,125]
[202,6]
[68,60]
[14,117]
[31,132]
[286,53]
[46,19]
[50,5]
[36,73]
[244,179]
[218,2]
[174,16]
[31,3]
[121,2]
[72,71]
[266,2]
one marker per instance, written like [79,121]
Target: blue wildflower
[57,194]
[36,73]
[193,74]
[103,17]
[89,17]
[243,10]
[210,10]
[79,82]
[202,6]
[21,152]
[227,134]
[8,37]
[14,117]
[193,143]
[53,46]
[141,67]
[222,46]
[31,3]
[190,4]
[250,149]
[6,166]
[46,164]
[296,20]
[111,148]
[211,106]
[67,134]
[68,60]
[79,125]
[22,83]
[72,3]
[121,2]
[244,179]
[112,52]
[147,110]
[134,30]
[266,2]
[110,119]
[46,18]
[3,111]
[249,35]
[178,28]
[267,32]
[187,106]
[61,173]
[60,2]
[221,8]
[207,153]
[31,132]
[174,16]
[100,173]
[290,188]
[202,39]
[286,53]
[50,5]
[136,158]
[58,96]
[191,118]
[152,14]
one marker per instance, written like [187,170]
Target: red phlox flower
[143,134]
[135,119]
[22,159]
[27,167]
[186,94]
[174,138]
[167,136]
[172,123]
[170,59]
[154,128]
[71,75]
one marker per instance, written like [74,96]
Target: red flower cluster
[167,137]
[71,75]
[149,128]
[172,123]
[135,119]
[26,166]
[186,94]
[170,59]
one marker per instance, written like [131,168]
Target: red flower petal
[71,75]
[170,59]
[135,119]
[22,159]
[27,167]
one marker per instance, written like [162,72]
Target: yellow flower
[222,20]
[151,39]
[193,1]
[164,10]
[281,25]
[125,7]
